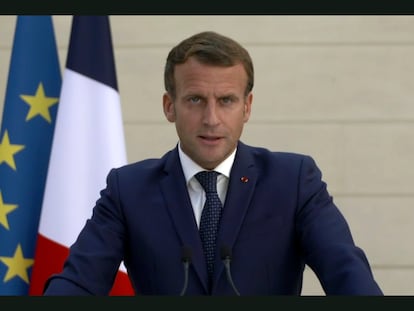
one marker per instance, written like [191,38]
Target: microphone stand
[226,258]
[186,259]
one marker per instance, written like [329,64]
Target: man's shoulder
[284,163]
[148,164]
[264,152]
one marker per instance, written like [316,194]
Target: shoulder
[268,161]
[265,154]
[142,168]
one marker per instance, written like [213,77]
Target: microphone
[226,258]
[186,260]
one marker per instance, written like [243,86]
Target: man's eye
[227,100]
[195,99]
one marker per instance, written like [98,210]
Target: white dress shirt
[195,190]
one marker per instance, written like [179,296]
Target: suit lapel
[242,182]
[179,207]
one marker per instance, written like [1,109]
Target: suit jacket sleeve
[327,243]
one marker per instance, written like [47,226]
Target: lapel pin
[244,179]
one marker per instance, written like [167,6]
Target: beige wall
[340,88]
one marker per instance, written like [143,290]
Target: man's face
[209,110]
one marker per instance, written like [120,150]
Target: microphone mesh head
[225,252]
[186,254]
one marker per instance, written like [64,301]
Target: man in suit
[276,213]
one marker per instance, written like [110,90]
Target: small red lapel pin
[244,179]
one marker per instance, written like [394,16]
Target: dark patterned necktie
[210,216]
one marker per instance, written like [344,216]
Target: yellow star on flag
[4,210]
[8,150]
[17,265]
[39,104]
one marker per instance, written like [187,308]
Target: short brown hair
[208,48]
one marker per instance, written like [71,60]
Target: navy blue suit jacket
[278,216]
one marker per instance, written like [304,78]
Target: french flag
[88,142]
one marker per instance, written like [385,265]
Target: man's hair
[208,48]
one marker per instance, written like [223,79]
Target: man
[273,210]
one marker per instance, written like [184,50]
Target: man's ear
[248,106]
[168,106]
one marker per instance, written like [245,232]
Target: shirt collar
[190,168]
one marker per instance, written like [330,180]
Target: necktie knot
[208,180]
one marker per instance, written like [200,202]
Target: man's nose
[211,113]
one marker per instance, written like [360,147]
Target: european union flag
[27,127]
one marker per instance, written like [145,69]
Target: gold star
[4,210]
[17,265]
[39,104]
[7,151]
